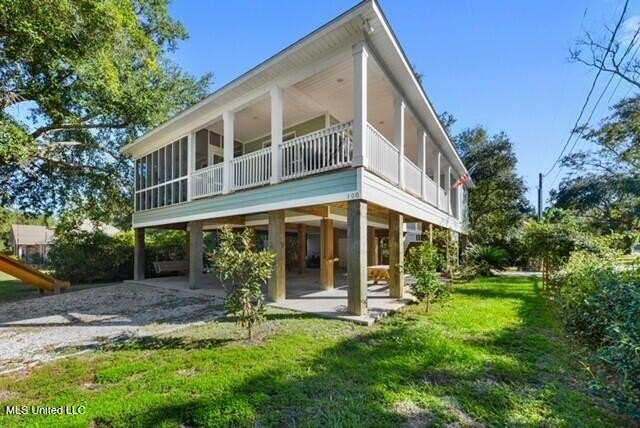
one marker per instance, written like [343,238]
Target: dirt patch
[41,329]
[416,416]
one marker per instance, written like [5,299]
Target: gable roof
[28,234]
[382,42]
[90,226]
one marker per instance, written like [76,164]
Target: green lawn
[494,355]
[12,289]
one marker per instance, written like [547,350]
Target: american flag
[464,179]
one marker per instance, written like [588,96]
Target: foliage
[495,356]
[236,260]
[447,248]
[600,302]
[480,260]
[555,238]
[78,80]
[86,257]
[497,201]
[603,187]
[421,262]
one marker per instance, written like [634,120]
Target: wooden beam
[326,253]
[372,246]
[316,210]
[302,248]
[234,219]
[357,261]
[195,254]
[138,254]
[276,289]
[396,255]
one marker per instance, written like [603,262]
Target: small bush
[421,263]
[600,302]
[480,260]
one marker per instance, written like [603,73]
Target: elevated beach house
[330,149]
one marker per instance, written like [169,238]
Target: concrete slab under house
[330,150]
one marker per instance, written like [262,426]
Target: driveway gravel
[46,328]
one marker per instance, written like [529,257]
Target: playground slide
[32,276]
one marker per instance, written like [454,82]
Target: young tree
[421,262]
[237,261]
[78,80]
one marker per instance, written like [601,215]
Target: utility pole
[539,196]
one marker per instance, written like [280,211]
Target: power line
[593,86]
[632,42]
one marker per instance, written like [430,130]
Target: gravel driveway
[42,329]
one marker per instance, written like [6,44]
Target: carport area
[304,293]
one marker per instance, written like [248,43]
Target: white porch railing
[412,177]
[320,151]
[431,190]
[207,181]
[324,150]
[443,199]
[383,156]
[252,169]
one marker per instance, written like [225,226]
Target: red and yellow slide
[32,276]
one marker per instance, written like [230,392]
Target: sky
[500,64]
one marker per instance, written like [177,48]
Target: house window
[161,176]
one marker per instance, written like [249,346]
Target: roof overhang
[365,20]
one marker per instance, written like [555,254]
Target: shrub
[87,257]
[237,261]
[479,260]
[600,302]
[421,263]
[447,249]
[555,238]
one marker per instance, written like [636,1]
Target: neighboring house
[30,242]
[90,226]
[332,141]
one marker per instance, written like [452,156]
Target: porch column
[399,107]
[436,175]
[396,255]
[360,55]
[187,244]
[460,192]
[191,163]
[357,263]
[302,248]
[138,254]
[326,253]
[447,185]
[276,132]
[422,162]
[276,289]
[372,246]
[195,254]
[228,137]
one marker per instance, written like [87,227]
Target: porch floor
[304,294]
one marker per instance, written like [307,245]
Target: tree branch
[61,127]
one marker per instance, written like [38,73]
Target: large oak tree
[78,80]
